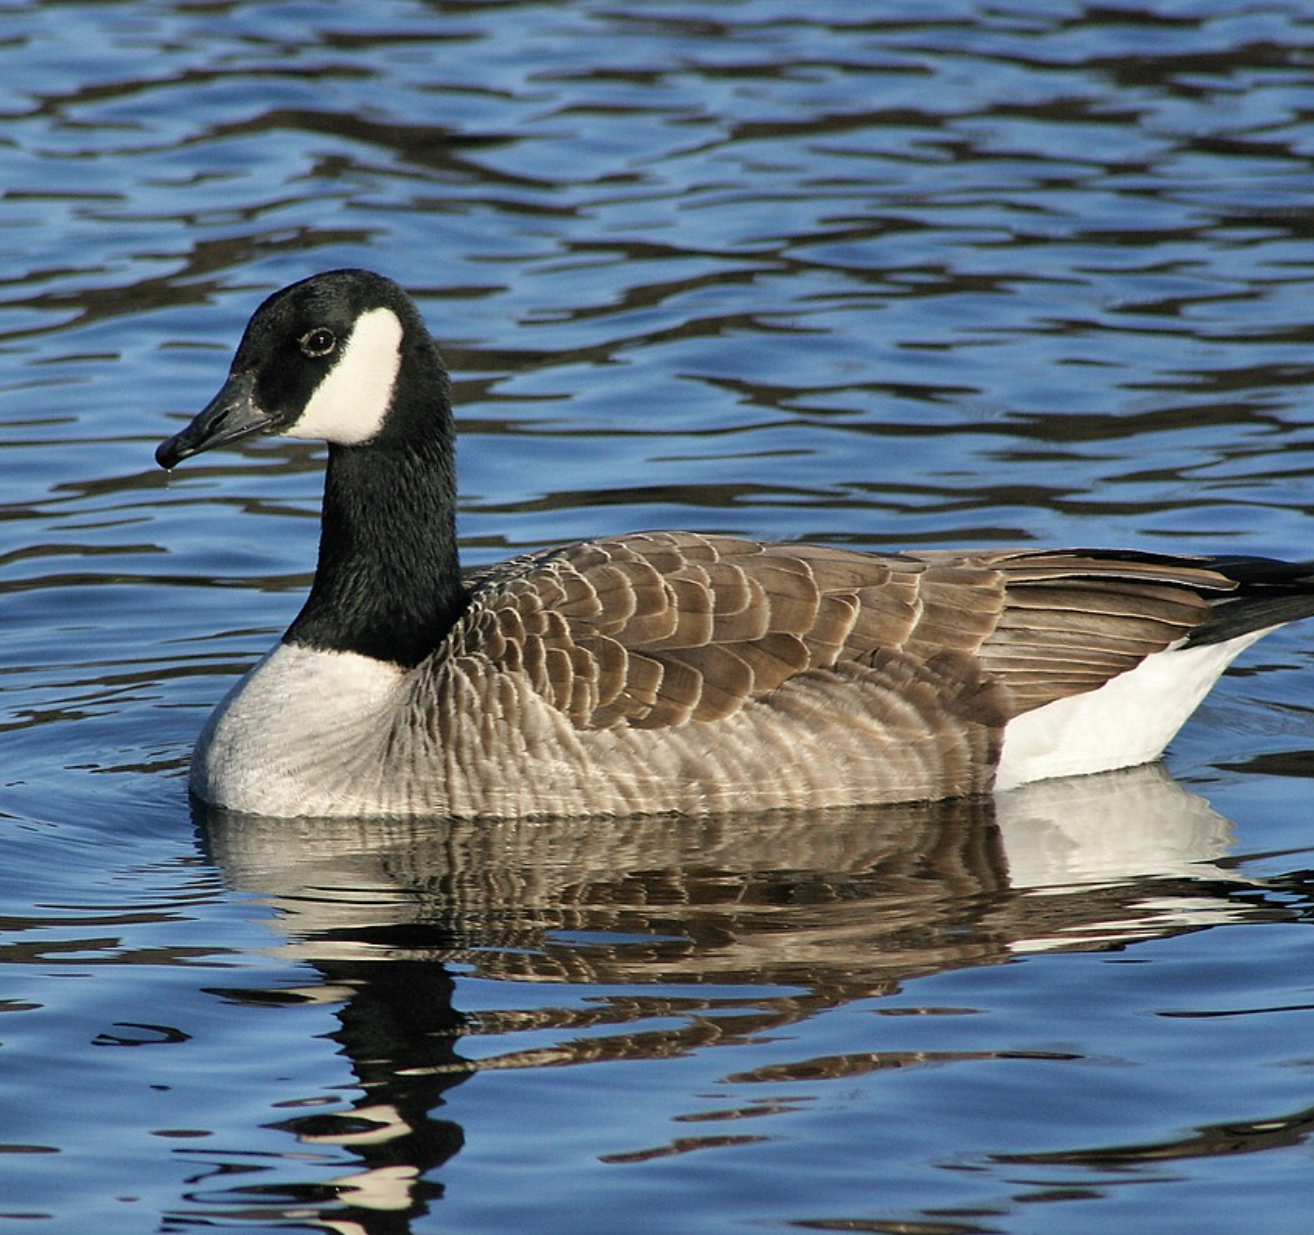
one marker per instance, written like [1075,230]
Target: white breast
[1127,721]
[300,734]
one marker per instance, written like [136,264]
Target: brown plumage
[699,672]
[662,628]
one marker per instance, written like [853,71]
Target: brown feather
[665,629]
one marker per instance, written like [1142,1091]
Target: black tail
[1268,593]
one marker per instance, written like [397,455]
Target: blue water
[877,275]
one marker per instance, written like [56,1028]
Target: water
[876,275]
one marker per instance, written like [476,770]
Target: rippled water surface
[873,274]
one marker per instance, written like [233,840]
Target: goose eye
[318,342]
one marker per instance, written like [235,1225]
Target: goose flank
[663,671]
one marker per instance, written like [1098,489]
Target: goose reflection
[732,925]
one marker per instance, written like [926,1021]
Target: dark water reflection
[694,934]
[893,274]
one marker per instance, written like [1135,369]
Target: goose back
[677,671]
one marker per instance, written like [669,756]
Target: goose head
[345,358]
[326,359]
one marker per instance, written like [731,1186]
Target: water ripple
[944,273]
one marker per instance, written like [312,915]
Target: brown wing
[658,629]
[1074,619]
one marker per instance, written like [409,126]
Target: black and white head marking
[322,360]
[350,403]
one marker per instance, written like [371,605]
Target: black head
[323,359]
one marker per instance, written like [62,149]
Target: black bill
[231,415]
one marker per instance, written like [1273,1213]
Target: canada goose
[664,671]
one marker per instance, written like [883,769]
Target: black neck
[388,583]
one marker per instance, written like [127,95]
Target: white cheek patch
[350,405]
